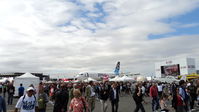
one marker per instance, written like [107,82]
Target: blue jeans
[155,103]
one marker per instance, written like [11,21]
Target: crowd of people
[81,97]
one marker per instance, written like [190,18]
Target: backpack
[41,101]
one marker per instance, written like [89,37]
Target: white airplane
[98,76]
[168,79]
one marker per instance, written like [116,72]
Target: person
[193,96]
[160,89]
[90,96]
[138,98]
[11,91]
[103,96]
[4,90]
[183,93]
[197,92]
[178,102]
[143,89]
[154,96]
[61,99]
[27,102]
[78,103]
[71,91]
[42,99]
[114,98]
[2,104]
[163,103]
[1,87]
[21,90]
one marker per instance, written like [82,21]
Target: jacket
[112,95]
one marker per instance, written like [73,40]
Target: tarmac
[126,104]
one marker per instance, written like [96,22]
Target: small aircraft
[98,75]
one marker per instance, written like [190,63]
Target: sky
[71,36]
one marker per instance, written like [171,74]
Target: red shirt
[179,100]
[153,91]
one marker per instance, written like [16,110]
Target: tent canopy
[89,79]
[126,78]
[27,75]
[26,79]
[117,78]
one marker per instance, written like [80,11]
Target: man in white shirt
[160,88]
[27,102]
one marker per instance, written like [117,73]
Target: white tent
[89,79]
[26,79]
[126,78]
[141,78]
[116,79]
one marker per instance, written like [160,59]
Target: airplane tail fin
[117,68]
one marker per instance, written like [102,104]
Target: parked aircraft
[168,79]
[98,75]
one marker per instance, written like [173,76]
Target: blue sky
[190,18]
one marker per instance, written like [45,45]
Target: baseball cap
[30,88]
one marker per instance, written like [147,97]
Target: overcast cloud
[60,36]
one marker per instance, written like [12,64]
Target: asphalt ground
[126,104]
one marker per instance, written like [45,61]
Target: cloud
[190,25]
[90,35]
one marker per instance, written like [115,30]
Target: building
[175,67]
[197,71]
[15,74]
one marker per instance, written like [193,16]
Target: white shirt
[92,92]
[159,88]
[114,93]
[26,104]
[143,90]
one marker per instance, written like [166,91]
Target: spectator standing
[160,89]
[21,90]
[61,99]
[103,96]
[78,103]
[178,102]
[11,91]
[138,98]
[42,100]
[2,104]
[114,98]
[4,90]
[1,87]
[154,96]
[193,96]
[90,96]
[183,94]
[27,102]
[143,89]
[163,103]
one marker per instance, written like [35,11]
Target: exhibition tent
[116,79]
[26,79]
[89,79]
[141,78]
[126,78]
